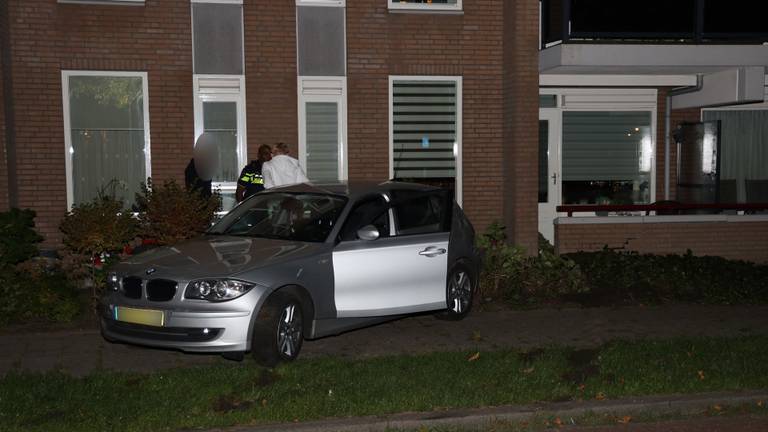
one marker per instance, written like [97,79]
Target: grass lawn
[316,388]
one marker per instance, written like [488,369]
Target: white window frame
[606,99]
[323,89]
[459,185]
[222,88]
[423,7]
[330,3]
[218,1]
[69,151]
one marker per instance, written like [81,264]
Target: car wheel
[279,330]
[460,290]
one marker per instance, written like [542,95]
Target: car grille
[132,287]
[161,290]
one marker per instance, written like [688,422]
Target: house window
[425,5]
[106,122]
[743,158]
[425,131]
[339,3]
[607,157]
[322,128]
[220,112]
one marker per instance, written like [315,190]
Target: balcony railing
[653,21]
[663,208]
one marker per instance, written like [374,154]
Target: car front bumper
[222,327]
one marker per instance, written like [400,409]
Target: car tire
[460,288]
[278,332]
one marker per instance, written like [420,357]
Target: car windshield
[307,217]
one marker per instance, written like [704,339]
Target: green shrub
[169,213]
[18,239]
[98,227]
[629,277]
[37,292]
[509,274]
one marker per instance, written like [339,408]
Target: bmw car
[294,263]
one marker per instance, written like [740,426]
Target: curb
[478,417]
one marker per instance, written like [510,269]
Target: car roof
[354,189]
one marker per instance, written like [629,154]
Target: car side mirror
[368,233]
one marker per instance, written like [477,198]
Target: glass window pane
[220,121]
[108,139]
[424,131]
[743,154]
[543,161]
[217,38]
[547,101]
[322,141]
[607,157]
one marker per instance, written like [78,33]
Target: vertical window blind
[424,129]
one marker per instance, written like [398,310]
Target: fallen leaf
[600,396]
[476,336]
[557,422]
[717,407]
[625,419]
[760,403]
[474,357]
[701,375]
[529,370]
[263,402]
[582,387]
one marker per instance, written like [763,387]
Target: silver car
[294,263]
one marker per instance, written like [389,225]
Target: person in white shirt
[282,169]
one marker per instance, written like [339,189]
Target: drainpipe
[668,125]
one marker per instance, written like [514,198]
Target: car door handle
[432,251]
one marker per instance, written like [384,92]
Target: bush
[99,227]
[628,277]
[18,239]
[35,291]
[170,213]
[509,274]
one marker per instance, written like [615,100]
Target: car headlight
[216,290]
[113,281]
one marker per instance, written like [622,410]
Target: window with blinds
[424,129]
[322,141]
[607,157]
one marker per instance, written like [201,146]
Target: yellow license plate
[140,316]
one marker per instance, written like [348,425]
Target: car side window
[418,212]
[373,211]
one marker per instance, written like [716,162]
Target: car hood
[216,256]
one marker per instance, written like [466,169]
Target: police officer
[251,180]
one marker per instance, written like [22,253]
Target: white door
[390,276]
[550,127]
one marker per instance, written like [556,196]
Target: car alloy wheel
[278,331]
[459,292]
[289,331]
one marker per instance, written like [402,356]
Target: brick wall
[380,44]
[49,37]
[270,73]
[732,240]
[3,161]
[521,119]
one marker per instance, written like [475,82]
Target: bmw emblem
[150,271]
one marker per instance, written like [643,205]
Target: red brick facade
[49,37]
[734,240]
[499,137]
[3,161]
